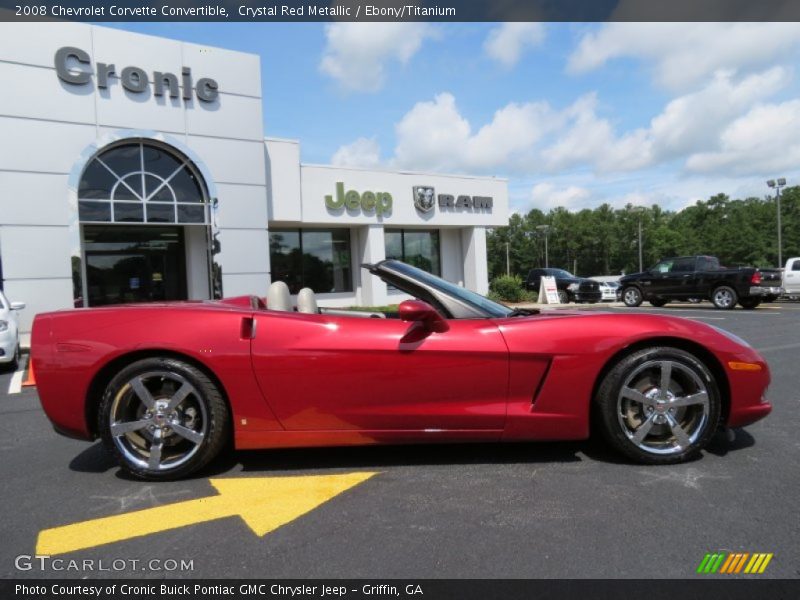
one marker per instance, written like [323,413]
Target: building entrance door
[134,264]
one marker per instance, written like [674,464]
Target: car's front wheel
[563,297]
[659,405]
[162,418]
[632,296]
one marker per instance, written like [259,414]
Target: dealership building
[135,168]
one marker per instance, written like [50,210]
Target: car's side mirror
[422,312]
[17,305]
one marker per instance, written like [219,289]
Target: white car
[609,286]
[9,332]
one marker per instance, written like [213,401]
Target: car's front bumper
[588,296]
[8,346]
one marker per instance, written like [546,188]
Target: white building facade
[135,168]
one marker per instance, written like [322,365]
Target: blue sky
[572,114]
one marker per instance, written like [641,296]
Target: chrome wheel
[158,420]
[724,298]
[632,296]
[663,407]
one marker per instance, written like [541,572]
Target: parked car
[167,386]
[570,287]
[791,277]
[691,277]
[9,332]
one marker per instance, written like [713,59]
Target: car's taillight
[756,279]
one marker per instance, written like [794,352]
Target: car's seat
[278,297]
[306,302]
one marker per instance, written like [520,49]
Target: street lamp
[777,185]
[641,210]
[546,230]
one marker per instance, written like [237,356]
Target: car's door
[654,282]
[791,277]
[333,372]
[681,280]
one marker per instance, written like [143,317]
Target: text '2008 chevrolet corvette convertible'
[167,385]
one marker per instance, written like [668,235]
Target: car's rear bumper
[766,291]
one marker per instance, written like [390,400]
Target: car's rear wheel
[724,297]
[659,405]
[563,297]
[632,296]
[162,418]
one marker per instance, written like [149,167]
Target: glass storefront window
[134,264]
[315,258]
[145,183]
[419,248]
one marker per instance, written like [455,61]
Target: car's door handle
[248,328]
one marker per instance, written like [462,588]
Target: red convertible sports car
[167,385]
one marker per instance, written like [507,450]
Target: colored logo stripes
[734,563]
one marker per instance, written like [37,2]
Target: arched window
[140,182]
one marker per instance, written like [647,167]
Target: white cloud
[434,135]
[507,42]
[363,152]
[356,53]
[685,54]
[688,124]
[546,196]
[764,141]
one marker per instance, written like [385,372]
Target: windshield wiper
[523,312]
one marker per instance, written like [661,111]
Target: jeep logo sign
[133,79]
[378,202]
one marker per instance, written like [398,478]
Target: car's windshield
[561,273]
[491,308]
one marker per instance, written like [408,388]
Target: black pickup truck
[691,277]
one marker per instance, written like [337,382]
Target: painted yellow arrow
[264,503]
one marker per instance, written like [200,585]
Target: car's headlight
[573,287]
[3,325]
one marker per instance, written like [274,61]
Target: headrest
[306,302]
[278,297]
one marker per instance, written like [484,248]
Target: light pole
[546,230]
[640,210]
[508,262]
[777,185]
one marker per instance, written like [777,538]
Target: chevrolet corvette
[166,386]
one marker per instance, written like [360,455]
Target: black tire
[724,297]
[199,414]
[749,303]
[632,296]
[563,297]
[660,444]
[658,302]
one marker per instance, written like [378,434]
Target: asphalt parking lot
[553,510]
